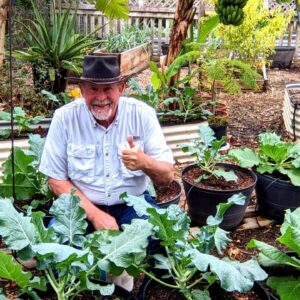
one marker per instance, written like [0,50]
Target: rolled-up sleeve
[54,158]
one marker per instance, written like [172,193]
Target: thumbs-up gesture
[133,156]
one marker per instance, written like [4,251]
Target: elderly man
[104,144]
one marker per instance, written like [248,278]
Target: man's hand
[133,158]
[102,220]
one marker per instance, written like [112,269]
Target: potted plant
[189,266]
[54,48]
[209,182]
[131,45]
[66,259]
[278,172]
[30,186]
[165,195]
[284,265]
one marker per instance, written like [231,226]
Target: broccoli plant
[67,259]
[206,150]
[30,184]
[287,287]
[23,122]
[188,261]
[273,155]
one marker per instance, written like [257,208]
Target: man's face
[102,100]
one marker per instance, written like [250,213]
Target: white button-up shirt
[77,148]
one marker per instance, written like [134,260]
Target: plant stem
[156,279]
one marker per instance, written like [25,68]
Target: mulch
[250,113]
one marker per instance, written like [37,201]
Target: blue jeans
[124,215]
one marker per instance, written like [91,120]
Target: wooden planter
[131,61]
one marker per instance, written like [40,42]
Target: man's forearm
[160,172]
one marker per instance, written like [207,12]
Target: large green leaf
[269,138]
[36,143]
[17,230]
[233,275]
[129,247]
[294,175]
[206,28]
[236,199]
[45,235]
[69,219]
[114,9]
[278,152]
[227,175]
[291,239]
[11,270]
[270,255]
[207,135]
[246,157]
[291,218]
[105,290]
[25,186]
[58,253]
[164,228]
[288,288]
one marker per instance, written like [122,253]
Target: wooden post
[184,15]
[3,17]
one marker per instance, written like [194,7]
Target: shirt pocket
[126,173]
[81,162]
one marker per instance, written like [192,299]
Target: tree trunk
[3,17]
[184,15]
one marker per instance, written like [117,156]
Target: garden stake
[10,25]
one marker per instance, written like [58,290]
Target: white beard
[102,114]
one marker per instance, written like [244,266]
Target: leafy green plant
[254,40]
[149,95]
[30,184]
[66,259]
[114,9]
[187,260]
[273,155]
[23,121]
[206,150]
[185,100]
[129,37]
[287,287]
[56,44]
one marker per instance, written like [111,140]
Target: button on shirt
[77,148]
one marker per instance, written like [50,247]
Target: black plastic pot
[283,57]
[219,131]
[174,200]
[203,202]
[164,48]
[275,195]
[174,294]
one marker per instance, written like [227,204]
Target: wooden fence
[158,15]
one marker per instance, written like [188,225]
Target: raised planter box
[179,134]
[131,61]
[291,110]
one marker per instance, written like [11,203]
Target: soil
[250,113]
[216,293]
[244,180]
[167,193]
